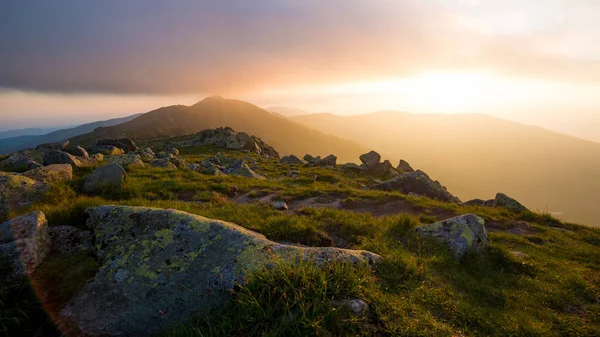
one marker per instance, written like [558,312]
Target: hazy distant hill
[280,132]
[26,141]
[26,132]
[477,155]
[286,111]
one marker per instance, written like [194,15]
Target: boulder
[475,202]
[370,159]
[172,151]
[292,160]
[18,163]
[356,306]
[381,169]
[293,173]
[67,240]
[97,158]
[352,167]
[309,159]
[329,161]
[17,192]
[502,200]
[163,163]
[107,150]
[159,268]
[79,152]
[417,182]
[147,156]
[25,242]
[127,161]
[213,170]
[107,177]
[165,155]
[126,144]
[404,167]
[279,205]
[242,170]
[55,173]
[60,157]
[180,163]
[462,234]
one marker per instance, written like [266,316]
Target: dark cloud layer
[167,47]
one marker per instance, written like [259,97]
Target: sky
[536,62]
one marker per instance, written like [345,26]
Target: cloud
[159,47]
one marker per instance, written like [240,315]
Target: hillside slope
[478,155]
[13,144]
[285,135]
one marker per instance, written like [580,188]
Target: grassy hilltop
[540,276]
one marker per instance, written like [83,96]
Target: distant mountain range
[280,132]
[287,111]
[27,132]
[21,142]
[477,155]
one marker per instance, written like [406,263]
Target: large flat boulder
[55,173]
[461,234]
[417,182]
[160,267]
[25,242]
[17,192]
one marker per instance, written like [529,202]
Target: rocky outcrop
[352,167]
[17,192]
[107,150]
[67,240]
[60,157]
[146,154]
[78,151]
[329,161]
[55,173]
[107,177]
[462,234]
[25,242]
[417,182]
[56,146]
[404,167]
[127,144]
[161,267]
[18,163]
[292,160]
[228,165]
[502,200]
[309,159]
[228,138]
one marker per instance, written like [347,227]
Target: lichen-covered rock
[59,146]
[164,164]
[404,167]
[381,169]
[78,151]
[180,163]
[292,160]
[502,200]
[370,159]
[126,144]
[55,173]
[417,182]
[107,177]
[25,242]
[352,167]
[60,157]
[17,192]
[146,154]
[161,267]
[130,160]
[461,234]
[67,240]
[243,170]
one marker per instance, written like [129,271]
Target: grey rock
[356,306]
[381,169]
[107,150]
[309,159]
[502,200]
[293,173]
[475,202]
[461,234]
[126,144]
[165,155]
[292,160]
[60,157]
[228,138]
[25,242]
[55,173]
[18,163]
[329,161]
[163,163]
[180,163]
[352,167]
[159,268]
[58,146]
[129,160]
[111,176]
[172,151]
[404,167]
[370,159]
[78,152]
[279,205]
[417,182]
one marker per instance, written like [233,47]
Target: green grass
[545,282]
